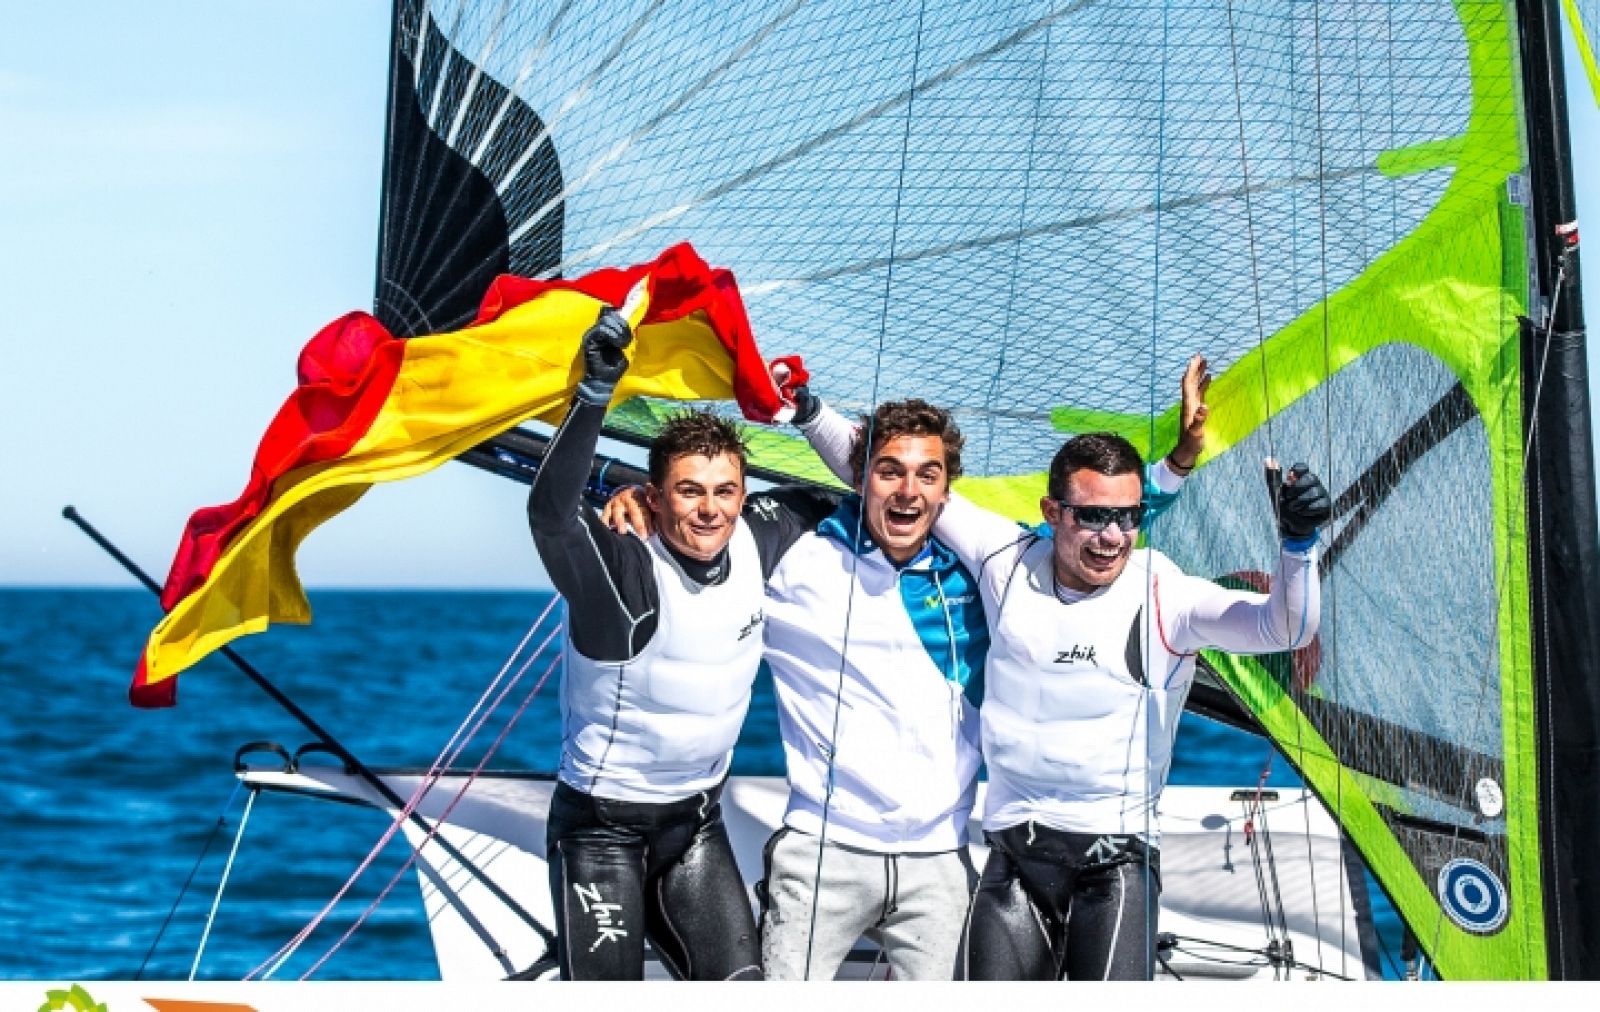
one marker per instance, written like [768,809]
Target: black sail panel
[445,233]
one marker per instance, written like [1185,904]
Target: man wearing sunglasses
[868,725]
[1092,652]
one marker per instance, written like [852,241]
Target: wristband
[595,392]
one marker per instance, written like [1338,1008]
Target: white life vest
[1082,701]
[661,726]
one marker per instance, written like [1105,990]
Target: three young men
[877,634]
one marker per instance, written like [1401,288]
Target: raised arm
[1206,615]
[605,578]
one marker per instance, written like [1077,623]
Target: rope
[1332,603]
[222,819]
[855,554]
[447,756]
[1150,788]
[1276,928]
[438,823]
[1266,956]
[223,884]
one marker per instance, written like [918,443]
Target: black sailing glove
[1303,507]
[806,406]
[603,361]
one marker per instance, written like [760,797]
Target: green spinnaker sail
[1034,212]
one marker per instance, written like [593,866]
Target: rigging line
[294,710]
[423,787]
[227,869]
[354,764]
[1468,783]
[861,513]
[904,97]
[222,820]
[1266,392]
[438,766]
[1328,598]
[1249,207]
[274,962]
[1327,370]
[1150,605]
[444,817]
[1250,806]
[1293,964]
[1016,251]
[1277,887]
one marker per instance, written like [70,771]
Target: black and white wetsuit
[1081,705]
[661,650]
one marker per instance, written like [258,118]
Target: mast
[1563,547]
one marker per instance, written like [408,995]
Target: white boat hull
[1224,899]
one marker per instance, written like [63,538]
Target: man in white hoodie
[876,640]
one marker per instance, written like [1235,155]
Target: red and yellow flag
[371,407]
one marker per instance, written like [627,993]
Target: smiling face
[697,503]
[1087,560]
[906,484]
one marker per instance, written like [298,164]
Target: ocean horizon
[108,824]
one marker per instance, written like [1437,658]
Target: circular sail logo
[1473,896]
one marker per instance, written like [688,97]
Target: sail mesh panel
[1034,213]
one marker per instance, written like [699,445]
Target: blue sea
[108,808]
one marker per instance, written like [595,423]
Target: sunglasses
[1098,518]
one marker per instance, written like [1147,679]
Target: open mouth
[1103,558]
[902,519]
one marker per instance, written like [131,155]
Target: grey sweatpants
[913,905]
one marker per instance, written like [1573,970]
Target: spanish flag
[371,407]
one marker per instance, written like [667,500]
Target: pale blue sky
[188,190]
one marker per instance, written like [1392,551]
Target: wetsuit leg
[597,877]
[697,910]
[1008,936]
[1112,936]
[797,944]
[928,900]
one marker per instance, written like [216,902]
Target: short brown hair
[911,417]
[694,433]
[1103,452]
